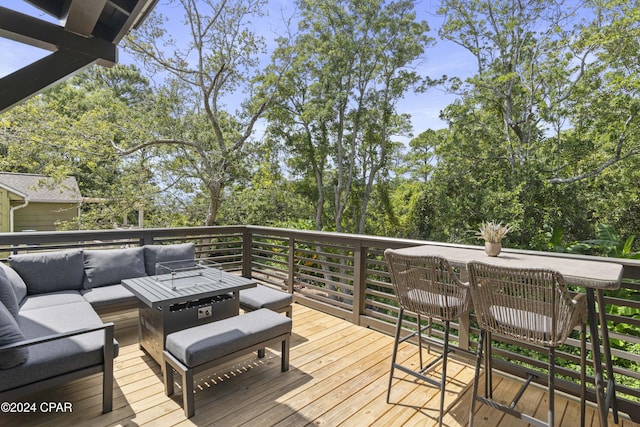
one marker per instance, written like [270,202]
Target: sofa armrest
[108,352]
[107,327]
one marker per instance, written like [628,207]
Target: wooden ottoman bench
[203,347]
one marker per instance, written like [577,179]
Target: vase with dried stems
[493,232]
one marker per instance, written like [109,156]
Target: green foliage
[264,197]
[608,241]
[542,135]
[71,130]
[336,113]
[419,160]
[200,142]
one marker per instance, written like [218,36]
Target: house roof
[40,188]
[89,33]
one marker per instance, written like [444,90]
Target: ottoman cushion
[264,297]
[204,343]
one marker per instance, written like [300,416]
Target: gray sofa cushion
[32,302]
[110,266]
[262,296]
[200,344]
[154,254]
[107,295]
[7,295]
[16,281]
[9,334]
[57,357]
[50,271]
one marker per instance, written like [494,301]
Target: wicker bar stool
[427,287]
[526,305]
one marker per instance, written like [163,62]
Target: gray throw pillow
[110,266]
[9,334]
[50,271]
[154,254]
[19,288]
[7,295]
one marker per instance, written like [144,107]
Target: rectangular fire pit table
[168,304]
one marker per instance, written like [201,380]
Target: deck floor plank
[338,376]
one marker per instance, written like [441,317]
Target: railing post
[147,238]
[359,280]
[291,278]
[247,241]
[464,333]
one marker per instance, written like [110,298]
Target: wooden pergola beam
[83,16]
[71,52]
[45,35]
[89,34]
[36,77]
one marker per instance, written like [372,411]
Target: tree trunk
[214,202]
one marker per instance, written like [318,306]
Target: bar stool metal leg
[552,387]
[583,374]
[488,369]
[420,374]
[443,383]
[420,341]
[476,377]
[396,341]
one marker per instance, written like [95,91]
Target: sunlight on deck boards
[338,376]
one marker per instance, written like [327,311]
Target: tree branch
[617,157]
[125,152]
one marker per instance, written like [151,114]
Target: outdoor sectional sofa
[50,330]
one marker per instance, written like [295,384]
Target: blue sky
[443,58]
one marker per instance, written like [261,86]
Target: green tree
[550,111]
[217,66]
[408,192]
[419,161]
[264,196]
[337,112]
[602,105]
[71,129]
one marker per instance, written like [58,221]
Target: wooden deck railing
[345,275]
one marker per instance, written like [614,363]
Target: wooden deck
[338,376]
